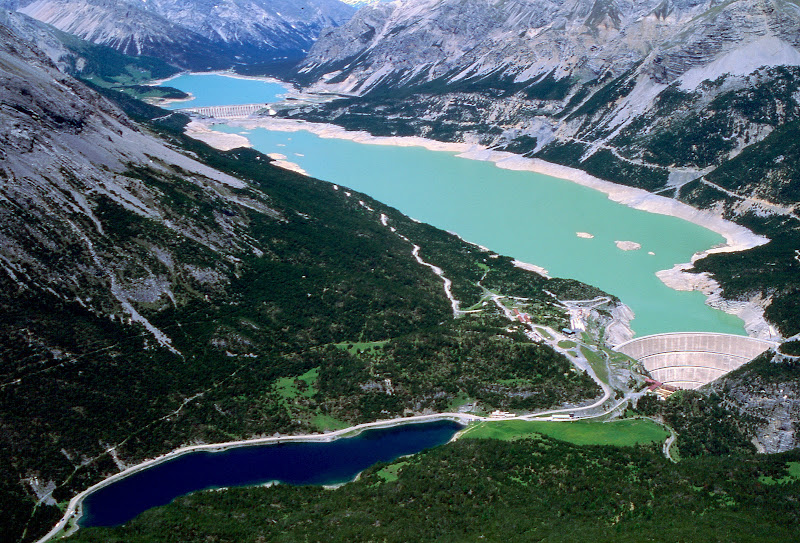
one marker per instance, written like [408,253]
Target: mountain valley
[155,290]
[198,35]
[158,293]
[673,97]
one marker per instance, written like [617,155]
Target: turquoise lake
[216,90]
[531,217]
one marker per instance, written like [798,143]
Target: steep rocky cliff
[766,392]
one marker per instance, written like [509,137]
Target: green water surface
[531,217]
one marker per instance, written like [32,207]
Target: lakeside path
[68,523]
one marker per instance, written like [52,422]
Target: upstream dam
[692,359]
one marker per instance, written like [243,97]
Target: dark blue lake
[312,463]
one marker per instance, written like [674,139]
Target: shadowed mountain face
[194,34]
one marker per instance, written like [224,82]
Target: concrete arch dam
[692,359]
[240,111]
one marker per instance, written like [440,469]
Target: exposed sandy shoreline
[531,267]
[737,238]
[218,140]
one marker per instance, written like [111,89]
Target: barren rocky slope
[766,392]
[193,34]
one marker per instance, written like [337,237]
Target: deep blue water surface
[312,463]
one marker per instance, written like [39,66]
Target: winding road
[597,409]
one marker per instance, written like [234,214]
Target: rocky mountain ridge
[413,42]
[535,69]
[193,34]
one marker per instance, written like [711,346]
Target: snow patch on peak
[767,51]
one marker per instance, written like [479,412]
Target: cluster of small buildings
[524,318]
[657,387]
[498,414]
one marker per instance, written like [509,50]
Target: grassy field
[389,473]
[291,387]
[597,362]
[327,423]
[794,474]
[623,433]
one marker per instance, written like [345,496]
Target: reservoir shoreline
[679,277]
[738,237]
[224,73]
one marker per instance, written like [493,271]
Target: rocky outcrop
[66,157]
[766,393]
[41,36]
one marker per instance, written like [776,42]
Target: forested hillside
[157,292]
[489,490]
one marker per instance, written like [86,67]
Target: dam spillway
[692,359]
